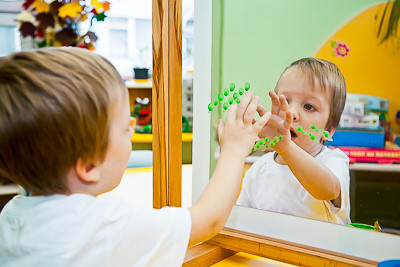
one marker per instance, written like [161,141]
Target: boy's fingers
[275,103]
[284,104]
[289,119]
[262,121]
[251,109]
[220,128]
[243,105]
[261,110]
[231,114]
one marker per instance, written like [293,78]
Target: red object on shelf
[379,155]
[145,112]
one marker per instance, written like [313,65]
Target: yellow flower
[98,6]
[41,6]
[72,9]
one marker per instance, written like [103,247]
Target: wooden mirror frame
[167,102]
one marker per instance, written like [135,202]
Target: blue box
[358,138]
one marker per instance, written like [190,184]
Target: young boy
[303,177]
[65,136]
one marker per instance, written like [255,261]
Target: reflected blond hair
[55,106]
[330,79]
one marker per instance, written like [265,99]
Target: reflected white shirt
[271,186]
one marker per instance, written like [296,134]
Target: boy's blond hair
[54,109]
[330,79]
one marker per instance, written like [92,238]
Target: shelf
[148,138]
[371,166]
[375,167]
[139,84]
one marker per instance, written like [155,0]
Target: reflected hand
[280,122]
[239,132]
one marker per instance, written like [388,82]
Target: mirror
[259,47]
[253,41]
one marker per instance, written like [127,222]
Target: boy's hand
[280,122]
[239,132]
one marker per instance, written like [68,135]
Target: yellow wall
[369,68]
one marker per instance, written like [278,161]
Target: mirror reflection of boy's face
[309,105]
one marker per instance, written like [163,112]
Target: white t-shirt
[268,185]
[82,230]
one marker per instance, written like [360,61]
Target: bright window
[8,27]
[11,35]
[124,37]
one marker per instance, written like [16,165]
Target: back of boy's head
[54,109]
[330,79]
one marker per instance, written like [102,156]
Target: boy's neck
[278,159]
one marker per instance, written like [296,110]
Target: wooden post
[167,102]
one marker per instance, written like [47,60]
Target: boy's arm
[313,175]
[236,138]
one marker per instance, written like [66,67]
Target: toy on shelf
[143,117]
[263,143]
[142,113]
[376,227]
[186,125]
[187,102]
[363,122]
[363,112]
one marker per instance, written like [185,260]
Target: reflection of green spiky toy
[228,100]
[325,133]
[236,94]
[263,143]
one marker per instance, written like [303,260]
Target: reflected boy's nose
[295,116]
[294,112]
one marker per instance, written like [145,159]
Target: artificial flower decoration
[26,16]
[41,6]
[72,10]
[340,49]
[56,22]
[100,7]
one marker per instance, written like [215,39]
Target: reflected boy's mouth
[293,135]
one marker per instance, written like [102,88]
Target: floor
[136,187]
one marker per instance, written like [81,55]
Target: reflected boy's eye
[309,107]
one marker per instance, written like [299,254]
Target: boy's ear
[331,131]
[88,172]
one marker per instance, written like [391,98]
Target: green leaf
[394,17]
[101,17]
[41,44]
[333,43]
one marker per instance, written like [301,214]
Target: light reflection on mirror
[255,40]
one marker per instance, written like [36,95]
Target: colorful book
[378,155]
